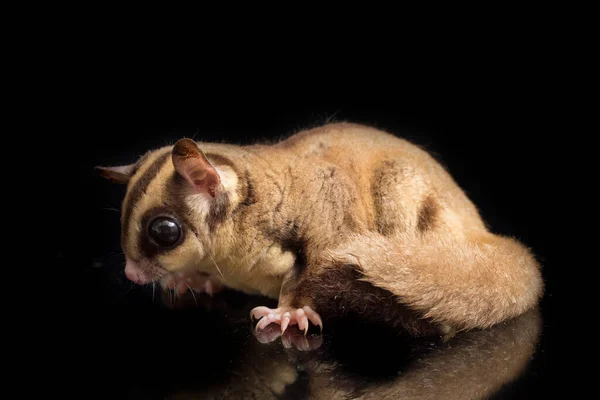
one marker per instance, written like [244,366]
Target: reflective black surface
[197,347]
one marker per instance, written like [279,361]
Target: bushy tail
[455,282]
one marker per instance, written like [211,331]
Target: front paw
[285,316]
[181,282]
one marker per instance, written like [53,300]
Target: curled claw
[259,312]
[302,320]
[313,317]
[286,316]
[266,320]
[285,321]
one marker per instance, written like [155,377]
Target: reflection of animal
[337,218]
[473,365]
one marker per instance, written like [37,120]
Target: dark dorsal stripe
[138,189]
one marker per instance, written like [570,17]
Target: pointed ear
[191,163]
[120,174]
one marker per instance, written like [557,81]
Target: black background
[490,129]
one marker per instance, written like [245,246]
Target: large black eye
[164,231]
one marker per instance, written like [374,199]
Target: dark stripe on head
[140,162]
[218,211]
[174,200]
[138,189]
[221,204]
[249,193]
[218,159]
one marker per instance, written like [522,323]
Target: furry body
[341,218]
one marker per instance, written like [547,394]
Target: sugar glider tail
[457,283]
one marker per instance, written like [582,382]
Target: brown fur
[344,291]
[427,215]
[341,210]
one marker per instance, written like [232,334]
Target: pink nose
[135,274]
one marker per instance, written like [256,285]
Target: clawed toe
[313,317]
[286,316]
[259,312]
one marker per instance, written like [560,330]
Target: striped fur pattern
[343,218]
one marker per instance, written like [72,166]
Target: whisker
[192,292]
[133,285]
[218,269]
[112,209]
[161,276]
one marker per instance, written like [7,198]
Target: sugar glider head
[175,197]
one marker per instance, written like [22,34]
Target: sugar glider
[343,218]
